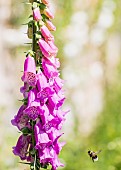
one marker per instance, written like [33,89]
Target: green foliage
[106,136]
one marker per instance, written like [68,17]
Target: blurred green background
[89,40]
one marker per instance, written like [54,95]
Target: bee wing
[98,151]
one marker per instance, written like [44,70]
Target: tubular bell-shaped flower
[50,25]
[36,14]
[29,75]
[46,33]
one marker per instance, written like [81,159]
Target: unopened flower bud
[46,2]
[48,13]
[46,33]
[50,25]
[36,14]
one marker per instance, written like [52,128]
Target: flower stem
[34,45]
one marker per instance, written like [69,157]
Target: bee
[93,155]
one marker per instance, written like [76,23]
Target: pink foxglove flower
[53,47]
[50,25]
[22,146]
[36,14]
[49,70]
[46,49]
[48,13]
[46,33]
[21,120]
[29,75]
[46,2]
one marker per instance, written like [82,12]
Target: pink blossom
[50,25]
[46,49]
[48,13]
[29,75]
[46,2]
[53,47]
[46,33]
[49,70]
[36,14]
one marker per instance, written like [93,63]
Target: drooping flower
[46,2]
[21,120]
[48,13]
[36,14]
[46,33]
[29,75]
[49,70]
[41,137]
[21,148]
[46,49]
[50,25]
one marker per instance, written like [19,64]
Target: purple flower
[45,91]
[50,25]
[55,162]
[54,103]
[36,14]
[54,134]
[41,137]
[45,94]
[46,33]
[49,70]
[52,45]
[54,61]
[54,122]
[58,84]
[29,65]
[48,13]
[42,81]
[29,75]
[25,89]
[21,148]
[32,98]
[33,109]
[21,120]
[33,112]
[47,50]
[45,115]
[46,2]
[49,155]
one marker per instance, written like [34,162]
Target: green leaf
[33,151]
[24,101]
[30,16]
[26,131]
[25,163]
[42,6]
[44,17]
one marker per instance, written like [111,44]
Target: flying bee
[93,155]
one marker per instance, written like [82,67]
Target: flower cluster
[41,117]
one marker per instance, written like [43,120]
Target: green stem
[34,48]
[33,141]
[34,40]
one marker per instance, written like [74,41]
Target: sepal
[26,131]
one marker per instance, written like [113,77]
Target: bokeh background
[89,40]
